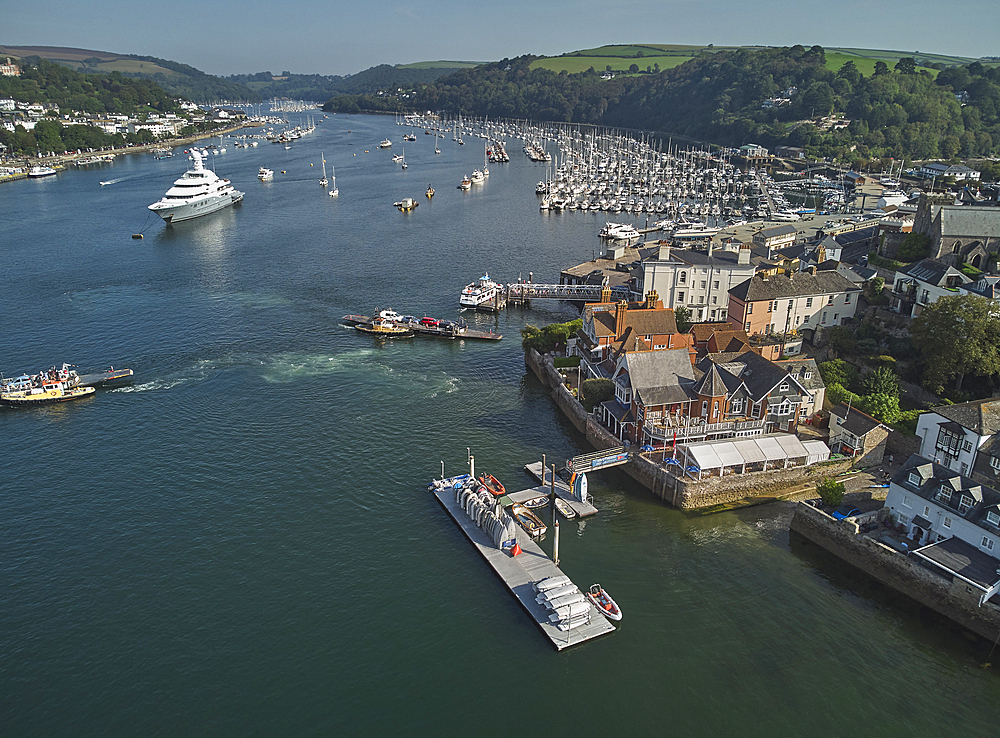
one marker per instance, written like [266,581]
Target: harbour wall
[681,492]
[954,599]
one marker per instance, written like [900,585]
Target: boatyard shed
[742,455]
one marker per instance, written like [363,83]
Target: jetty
[441,331]
[548,485]
[520,573]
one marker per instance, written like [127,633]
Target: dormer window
[808,375]
[995,463]
[964,504]
[943,494]
[993,518]
[913,479]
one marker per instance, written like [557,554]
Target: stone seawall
[684,493]
[955,600]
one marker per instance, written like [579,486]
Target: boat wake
[284,368]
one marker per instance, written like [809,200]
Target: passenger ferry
[46,387]
[479,292]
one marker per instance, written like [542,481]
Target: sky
[225,37]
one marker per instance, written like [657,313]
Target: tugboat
[46,387]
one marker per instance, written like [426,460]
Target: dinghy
[603,602]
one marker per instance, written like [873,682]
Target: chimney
[620,311]
[605,292]
[811,269]
[744,257]
[664,254]
[711,245]
[651,299]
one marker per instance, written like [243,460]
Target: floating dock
[520,572]
[431,330]
[582,509]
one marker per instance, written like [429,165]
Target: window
[714,311]
[995,463]
[785,408]
[715,285]
[829,300]
[914,479]
[847,299]
[835,317]
[680,298]
[756,410]
[684,277]
[715,301]
[943,494]
[808,374]
[704,408]
[906,501]
[824,316]
[965,467]
[703,284]
[783,387]
[796,320]
[964,504]
[715,409]
[987,543]
[809,302]
[736,406]
[749,308]
[993,518]
[770,305]
[947,522]
[967,446]
[927,511]
[747,327]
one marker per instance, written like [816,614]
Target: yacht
[785,216]
[265,175]
[199,192]
[386,144]
[41,171]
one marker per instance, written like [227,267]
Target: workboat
[481,291]
[603,602]
[528,520]
[265,175]
[493,485]
[407,203]
[384,329]
[46,387]
[430,191]
[199,192]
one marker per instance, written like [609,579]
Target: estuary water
[241,543]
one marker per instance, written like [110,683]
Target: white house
[953,523]
[952,435]
[698,279]
[923,283]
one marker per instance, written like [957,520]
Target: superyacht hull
[188,210]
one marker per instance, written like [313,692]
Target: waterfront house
[857,434]
[952,435]
[806,373]
[609,328]
[940,169]
[803,303]
[776,238]
[952,522]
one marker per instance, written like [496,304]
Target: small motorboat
[603,602]
[429,192]
[565,509]
[528,520]
[537,502]
[493,485]
[407,203]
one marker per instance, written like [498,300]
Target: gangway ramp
[598,460]
[524,291]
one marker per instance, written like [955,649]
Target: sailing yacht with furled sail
[333,177]
[323,182]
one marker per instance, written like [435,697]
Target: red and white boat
[603,602]
[493,485]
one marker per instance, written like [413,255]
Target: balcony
[688,428]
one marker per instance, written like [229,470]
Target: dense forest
[900,112]
[319,87]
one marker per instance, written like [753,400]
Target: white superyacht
[199,192]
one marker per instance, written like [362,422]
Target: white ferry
[479,292]
[199,192]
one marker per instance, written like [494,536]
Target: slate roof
[711,383]
[970,221]
[661,377]
[800,284]
[980,416]
[857,423]
[798,367]
[644,322]
[757,374]
[777,231]
[934,272]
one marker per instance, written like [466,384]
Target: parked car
[429,322]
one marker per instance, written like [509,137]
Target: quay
[562,490]
[431,330]
[521,572]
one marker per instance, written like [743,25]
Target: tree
[633,68]
[957,336]
[682,315]
[882,381]
[915,246]
[881,68]
[838,371]
[906,65]
[595,391]
[830,491]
